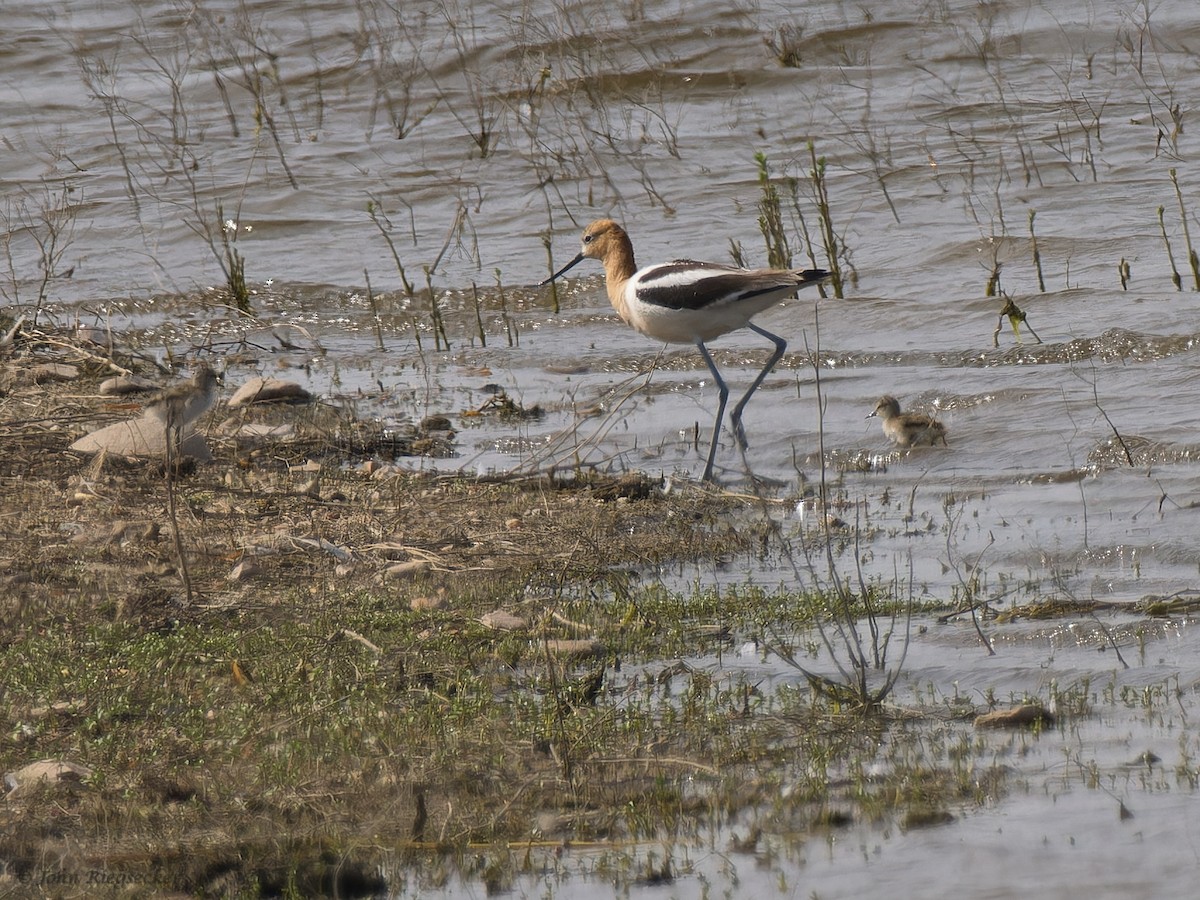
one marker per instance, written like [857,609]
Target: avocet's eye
[588,238]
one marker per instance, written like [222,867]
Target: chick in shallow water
[908,429]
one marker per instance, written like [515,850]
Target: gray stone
[268,390]
[145,436]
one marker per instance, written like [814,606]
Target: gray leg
[723,395]
[735,417]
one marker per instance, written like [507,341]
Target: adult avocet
[690,302]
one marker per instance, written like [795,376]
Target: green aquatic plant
[770,218]
[834,244]
[784,42]
[1176,278]
[992,288]
[1016,317]
[233,264]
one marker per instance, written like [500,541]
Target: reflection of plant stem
[92,71]
[478,315]
[970,584]
[1116,433]
[476,85]
[1112,641]
[412,320]
[805,234]
[394,70]
[974,579]
[224,44]
[785,42]
[460,215]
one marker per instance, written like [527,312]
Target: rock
[119,532]
[127,384]
[244,571]
[926,817]
[285,542]
[575,647]
[143,437]
[251,434]
[410,569]
[1147,758]
[499,620]
[268,390]
[62,707]
[40,374]
[310,488]
[435,423]
[21,376]
[550,824]
[48,771]
[1025,714]
[426,604]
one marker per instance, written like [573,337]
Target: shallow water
[944,127]
[1058,829]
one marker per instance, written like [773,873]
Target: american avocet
[690,302]
[908,429]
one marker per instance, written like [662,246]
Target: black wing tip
[813,275]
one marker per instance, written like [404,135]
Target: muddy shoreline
[327,673]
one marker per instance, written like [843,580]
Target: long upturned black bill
[576,261]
